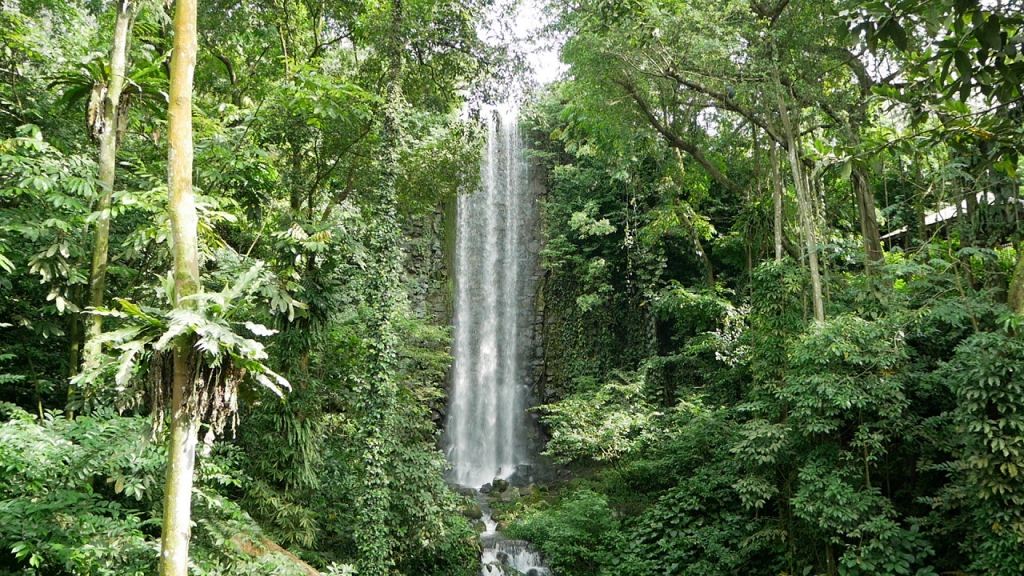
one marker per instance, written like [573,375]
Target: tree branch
[323,45]
[768,11]
[230,68]
[677,141]
[728,103]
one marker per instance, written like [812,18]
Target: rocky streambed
[502,556]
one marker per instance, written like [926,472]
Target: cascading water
[486,429]
[515,554]
[486,432]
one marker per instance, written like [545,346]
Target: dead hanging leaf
[122,116]
[94,114]
[212,398]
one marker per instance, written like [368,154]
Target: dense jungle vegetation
[782,277]
[276,335]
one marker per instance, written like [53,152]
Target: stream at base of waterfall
[500,554]
[487,429]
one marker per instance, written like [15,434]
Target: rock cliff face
[428,272]
[533,309]
[429,275]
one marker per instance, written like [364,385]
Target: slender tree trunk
[379,402]
[709,270]
[868,221]
[1015,294]
[755,136]
[74,337]
[236,93]
[107,134]
[818,208]
[776,199]
[180,471]
[75,346]
[185,247]
[804,204]
[683,213]
[921,232]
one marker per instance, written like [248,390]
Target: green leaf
[6,264]
[845,170]
[136,311]
[989,35]
[963,65]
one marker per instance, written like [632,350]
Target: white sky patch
[542,53]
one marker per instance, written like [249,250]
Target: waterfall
[486,428]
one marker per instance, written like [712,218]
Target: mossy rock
[473,511]
[510,495]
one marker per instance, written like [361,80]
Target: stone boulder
[473,511]
[498,486]
[510,495]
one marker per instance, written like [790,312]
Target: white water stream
[486,432]
[515,554]
[486,428]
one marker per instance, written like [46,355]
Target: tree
[300,173]
[804,200]
[977,56]
[185,246]
[693,68]
[110,112]
[380,397]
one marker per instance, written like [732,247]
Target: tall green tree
[108,115]
[184,424]
[380,396]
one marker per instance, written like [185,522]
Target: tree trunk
[1015,294]
[709,270]
[868,221]
[75,344]
[379,402]
[177,519]
[107,134]
[804,199]
[74,340]
[185,247]
[777,200]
